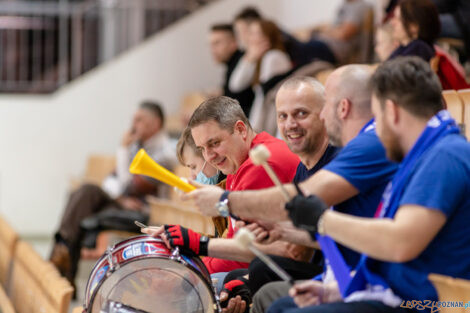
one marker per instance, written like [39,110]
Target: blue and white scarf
[333,256]
[367,285]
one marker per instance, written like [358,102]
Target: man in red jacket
[223,133]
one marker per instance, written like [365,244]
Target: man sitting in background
[225,50]
[120,190]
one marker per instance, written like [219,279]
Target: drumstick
[259,155]
[142,225]
[244,239]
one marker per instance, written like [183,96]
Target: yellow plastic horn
[143,164]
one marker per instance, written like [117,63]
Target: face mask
[203,179]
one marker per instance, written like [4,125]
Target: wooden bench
[170,212]
[8,239]
[464,94]
[5,304]
[36,285]
[451,289]
[98,167]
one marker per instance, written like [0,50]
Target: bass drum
[142,275]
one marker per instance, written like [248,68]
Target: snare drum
[142,273]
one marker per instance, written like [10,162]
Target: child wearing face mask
[200,171]
[190,156]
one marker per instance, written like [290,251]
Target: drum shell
[141,249]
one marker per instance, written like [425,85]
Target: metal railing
[45,44]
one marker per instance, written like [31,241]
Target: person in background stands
[416,26]
[264,59]
[385,43]
[224,50]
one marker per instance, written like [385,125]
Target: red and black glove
[187,239]
[237,287]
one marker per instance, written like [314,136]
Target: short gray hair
[223,110]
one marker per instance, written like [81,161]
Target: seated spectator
[190,157]
[298,51]
[415,26]
[225,51]
[120,191]
[385,43]
[421,226]
[242,23]
[336,42]
[299,102]
[200,171]
[353,182]
[264,59]
[223,133]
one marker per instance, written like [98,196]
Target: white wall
[45,140]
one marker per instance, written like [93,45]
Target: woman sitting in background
[416,26]
[265,58]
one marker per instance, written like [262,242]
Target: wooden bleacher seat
[182,213]
[8,239]
[36,285]
[98,167]
[451,289]
[454,105]
[5,304]
[322,76]
[465,96]
[78,309]
[176,211]
[176,122]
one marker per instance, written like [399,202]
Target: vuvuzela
[143,164]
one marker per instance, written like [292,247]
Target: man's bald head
[299,102]
[309,87]
[347,101]
[351,82]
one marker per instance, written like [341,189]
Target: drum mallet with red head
[259,155]
[244,239]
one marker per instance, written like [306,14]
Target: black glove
[305,212]
[187,239]
[237,287]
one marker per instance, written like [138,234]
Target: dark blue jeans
[287,305]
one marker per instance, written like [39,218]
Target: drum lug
[175,255]
[109,257]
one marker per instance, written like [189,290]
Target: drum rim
[88,304]
[96,267]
